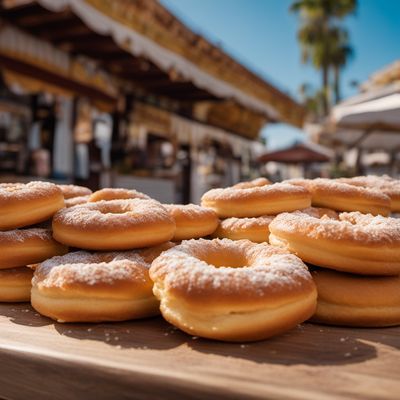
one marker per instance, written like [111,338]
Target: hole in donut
[226,260]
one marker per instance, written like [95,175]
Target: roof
[298,153]
[144,28]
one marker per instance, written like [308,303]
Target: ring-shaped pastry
[356,243]
[96,287]
[256,201]
[192,221]
[21,247]
[114,225]
[254,229]
[356,300]
[117,194]
[71,191]
[24,204]
[383,184]
[344,197]
[232,290]
[15,285]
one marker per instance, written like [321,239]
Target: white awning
[140,45]
[383,112]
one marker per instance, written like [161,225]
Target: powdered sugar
[21,235]
[114,213]
[189,211]
[245,224]
[91,269]
[10,192]
[70,191]
[266,191]
[362,228]
[117,194]
[268,270]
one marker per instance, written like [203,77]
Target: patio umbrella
[381,114]
[299,153]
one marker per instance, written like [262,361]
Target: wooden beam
[50,77]
[46,17]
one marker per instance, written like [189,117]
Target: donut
[256,201]
[356,243]
[344,197]
[15,284]
[28,246]
[117,194]
[232,290]
[319,212]
[254,229]
[355,300]
[254,183]
[23,204]
[114,225]
[96,287]
[71,191]
[74,201]
[192,221]
[384,184]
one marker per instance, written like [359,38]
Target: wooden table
[40,359]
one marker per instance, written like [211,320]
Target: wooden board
[40,359]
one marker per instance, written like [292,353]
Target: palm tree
[341,52]
[316,34]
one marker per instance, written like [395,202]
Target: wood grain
[146,359]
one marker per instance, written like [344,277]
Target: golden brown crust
[15,284]
[71,191]
[192,221]
[88,287]
[344,197]
[254,229]
[217,280]
[383,184]
[114,225]
[27,204]
[354,300]
[256,201]
[356,242]
[108,194]
[28,246]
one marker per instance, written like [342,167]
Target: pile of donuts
[254,260]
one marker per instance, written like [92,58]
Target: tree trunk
[325,90]
[336,83]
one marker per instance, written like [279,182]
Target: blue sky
[262,35]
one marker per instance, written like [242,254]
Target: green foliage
[324,41]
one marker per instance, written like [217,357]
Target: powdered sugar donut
[192,221]
[74,201]
[95,287]
[355,242]
[15,285]
[343,197]
[117,194]
[254,183]
[256,201]
[355,300]
[21,247]
[71,191]
[232,290]
[114,225]
[254,229]
[384,184]
[27,204]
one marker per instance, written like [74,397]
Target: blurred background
[175,97]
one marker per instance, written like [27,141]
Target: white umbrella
[382,113]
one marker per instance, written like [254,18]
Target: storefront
[106,102]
